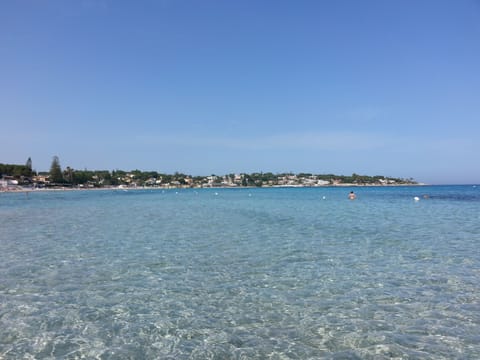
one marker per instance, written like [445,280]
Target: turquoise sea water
[283,273]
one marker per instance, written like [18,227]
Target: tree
[81,177]
[56,175]
[29,163]
[68,174]
[27,171]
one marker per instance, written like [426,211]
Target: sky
[371,87]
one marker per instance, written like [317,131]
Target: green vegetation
[17,171]
[56,175]
[136,178]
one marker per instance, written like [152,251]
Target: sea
[248,273]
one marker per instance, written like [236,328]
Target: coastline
[120,188]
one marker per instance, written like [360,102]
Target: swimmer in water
[352,195]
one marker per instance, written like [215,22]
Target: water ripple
[267,274]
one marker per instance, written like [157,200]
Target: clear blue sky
[213,87]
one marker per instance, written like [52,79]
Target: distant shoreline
[119,188]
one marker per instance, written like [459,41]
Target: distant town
[19,177]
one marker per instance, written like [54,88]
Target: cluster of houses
[236,180]
[11,183]
[8,183]
[241,180]
[130,180]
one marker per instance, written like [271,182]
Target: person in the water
[352,195]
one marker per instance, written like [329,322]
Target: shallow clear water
[241,274]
